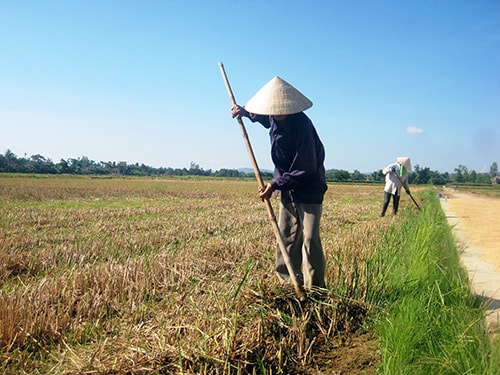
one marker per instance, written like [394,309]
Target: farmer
[396,177]
[299,174]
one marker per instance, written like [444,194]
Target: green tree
[227,173]
[9,162]
[358,176]
[62,167]
[440,178]
[494,169]
[378,175]
[472,176]
[341,175]
[39,164]
[461,174]
[422,175]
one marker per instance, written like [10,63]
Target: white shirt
[393,181]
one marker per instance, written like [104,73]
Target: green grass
[431,323]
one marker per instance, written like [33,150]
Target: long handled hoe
[411,196]
[258,176]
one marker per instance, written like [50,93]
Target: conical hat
[404,161]
[278,97]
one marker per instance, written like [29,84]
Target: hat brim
[404,161]
[278,97]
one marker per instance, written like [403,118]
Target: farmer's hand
[239,112]
[266,192]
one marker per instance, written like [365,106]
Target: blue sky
[138,81]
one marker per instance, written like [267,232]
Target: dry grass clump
[146,276]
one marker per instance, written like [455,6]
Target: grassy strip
[432,324]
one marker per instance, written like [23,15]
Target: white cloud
[414,130]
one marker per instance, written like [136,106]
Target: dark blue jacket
[298,156]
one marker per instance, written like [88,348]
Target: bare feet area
[475,223]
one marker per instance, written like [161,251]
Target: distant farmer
[298,156]
[396,177]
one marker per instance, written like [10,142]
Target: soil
[358,355]
[475,224]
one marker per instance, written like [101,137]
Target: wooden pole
[270,211]
[411,196]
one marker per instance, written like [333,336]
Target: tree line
[38,164]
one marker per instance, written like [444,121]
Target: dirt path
[476,226]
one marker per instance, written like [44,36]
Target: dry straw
[145,276]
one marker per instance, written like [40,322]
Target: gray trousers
[299,227]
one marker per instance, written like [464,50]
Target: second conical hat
[278,97]
[404,161]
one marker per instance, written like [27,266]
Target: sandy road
[476,226]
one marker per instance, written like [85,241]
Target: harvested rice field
[160,276]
